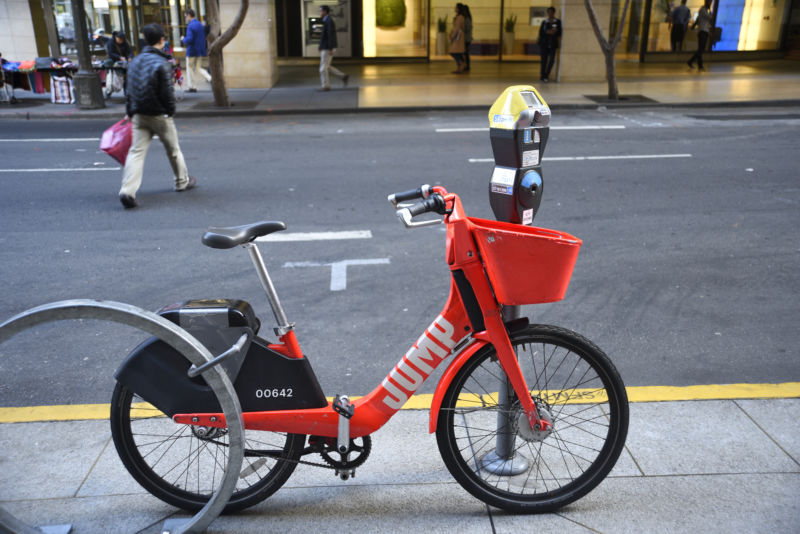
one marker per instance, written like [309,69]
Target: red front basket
[526,265]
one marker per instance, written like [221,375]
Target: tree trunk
[611,76]
[608,48]
[217,42]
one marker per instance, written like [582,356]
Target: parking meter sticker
[527,216]
[502,189]
[504,175]
[527,137]
[530,158]
[536,138]
[502,119]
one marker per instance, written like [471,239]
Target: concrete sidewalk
[413,86]
[693,466]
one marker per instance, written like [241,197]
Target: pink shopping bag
[116,141]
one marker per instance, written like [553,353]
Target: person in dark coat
[327,48]
[195,43]
[549,34]
[118,49]
[150,104]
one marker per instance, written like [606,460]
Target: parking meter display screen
[530,99]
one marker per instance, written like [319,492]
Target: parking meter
[518,128]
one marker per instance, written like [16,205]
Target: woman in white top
[703,25]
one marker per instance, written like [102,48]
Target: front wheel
[492,451]
[183,465]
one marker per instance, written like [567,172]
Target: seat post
[280,316]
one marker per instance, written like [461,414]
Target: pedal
[342,406]
[345,474]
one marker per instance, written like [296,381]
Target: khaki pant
[144,128]
[194,70]
[325,59]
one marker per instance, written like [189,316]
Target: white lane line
[317,236]
[338,269]
[586,158]
[576,127]
[65,170]
[51,140]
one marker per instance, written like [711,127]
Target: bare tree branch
[608,48]
[217,42]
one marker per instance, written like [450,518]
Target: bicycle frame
[470,320]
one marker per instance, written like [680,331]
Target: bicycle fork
[496,334]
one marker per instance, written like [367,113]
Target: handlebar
[423,191]
[434,203]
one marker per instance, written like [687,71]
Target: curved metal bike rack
[180,340]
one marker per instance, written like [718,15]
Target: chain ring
[363,453]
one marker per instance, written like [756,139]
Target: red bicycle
[528,418]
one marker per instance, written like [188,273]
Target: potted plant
[660,35]
[508,35]
[441,36]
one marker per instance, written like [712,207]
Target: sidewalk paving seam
[91,468]
[765,432]
[576,522]
[704,475]
[633,458]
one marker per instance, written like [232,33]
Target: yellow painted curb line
[77,412]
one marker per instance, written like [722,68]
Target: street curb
[79,114]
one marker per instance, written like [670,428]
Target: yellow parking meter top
[520,106]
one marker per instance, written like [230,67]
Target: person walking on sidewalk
[549,33]
[195,42]
[327,48]
[150,104]
[467,33]
[680,22]
[703,25]
[458,39]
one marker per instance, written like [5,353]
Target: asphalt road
[688,272]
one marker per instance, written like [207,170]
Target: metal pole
[88,89]
[503,461]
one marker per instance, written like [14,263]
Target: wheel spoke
[183,464]
[563,372]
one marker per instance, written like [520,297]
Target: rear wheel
[573,384]
[183,465]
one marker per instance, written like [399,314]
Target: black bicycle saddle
[230,236]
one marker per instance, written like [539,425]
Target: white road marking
[317,236]
[586,158]
[52,140]
[65,170]
[576,127]
[338,269]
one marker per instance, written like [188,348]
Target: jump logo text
[419,362]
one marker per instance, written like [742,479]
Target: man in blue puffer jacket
[195,43]
[150,104]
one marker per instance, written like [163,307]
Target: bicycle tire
[152,448]
[578,386]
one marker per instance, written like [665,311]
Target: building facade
[377,30]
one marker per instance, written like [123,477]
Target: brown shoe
[128,201]
[190,185]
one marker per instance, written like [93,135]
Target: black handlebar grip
[409,195]
[434,203]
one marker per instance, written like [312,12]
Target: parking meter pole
[519,127]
